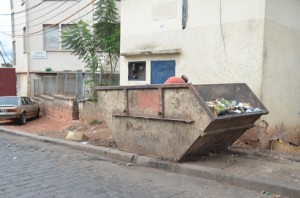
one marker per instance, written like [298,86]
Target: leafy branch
[100,41]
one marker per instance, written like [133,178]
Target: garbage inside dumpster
[222,106]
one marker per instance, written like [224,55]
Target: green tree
[107,29]
[97,45]
[6,65]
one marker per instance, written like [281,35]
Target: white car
[18,108]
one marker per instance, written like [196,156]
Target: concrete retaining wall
[67,108]
[89,111]
[59,107]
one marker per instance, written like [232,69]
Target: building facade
[37,27]
[217,41]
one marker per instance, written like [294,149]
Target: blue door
[161,71]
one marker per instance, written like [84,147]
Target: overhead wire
[30,13]
[55,15]
[4,52]
[81,17]
[46,7]
[36,33]
[2,57]
[26,10]
[68,23]
[48,13]
[60,21]
[36,11]
[5,34]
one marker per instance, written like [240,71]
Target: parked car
[18,108]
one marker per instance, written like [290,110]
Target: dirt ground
[97,132]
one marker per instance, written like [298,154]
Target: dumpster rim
[193,89]
[154,86]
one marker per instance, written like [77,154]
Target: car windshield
[8,100]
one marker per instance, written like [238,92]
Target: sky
[5,27]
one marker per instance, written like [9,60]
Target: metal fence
[66,84]
[69,84]
[49,85]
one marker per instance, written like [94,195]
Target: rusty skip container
[173,122]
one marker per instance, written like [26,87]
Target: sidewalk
[260,171]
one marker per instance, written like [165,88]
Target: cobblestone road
[31,168]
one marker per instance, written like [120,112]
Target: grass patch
[95,122]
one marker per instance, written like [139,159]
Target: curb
[264,154]
[214,174]
[180,168]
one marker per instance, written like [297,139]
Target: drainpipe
[184,13]
[27,51]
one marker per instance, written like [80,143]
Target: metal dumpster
[173,122]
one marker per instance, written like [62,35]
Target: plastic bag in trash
[221,106]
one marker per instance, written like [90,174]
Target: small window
[51,37]
[137,71]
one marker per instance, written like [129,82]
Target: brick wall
[59,107]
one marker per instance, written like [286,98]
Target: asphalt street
[30,168]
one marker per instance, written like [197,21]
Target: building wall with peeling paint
[281,66]
[251,41]
[221,43]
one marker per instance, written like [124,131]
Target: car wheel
[22,119]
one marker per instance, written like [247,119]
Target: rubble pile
[221,107]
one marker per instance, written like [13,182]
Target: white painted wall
[58,60]
[281,79]
[20,23]
[205,57]
[251,41]
[21,82]
[49,12]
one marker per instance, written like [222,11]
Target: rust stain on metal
[148,100]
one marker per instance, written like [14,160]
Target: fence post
[65,83]
[49,86]
[57,83]
[79,83]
